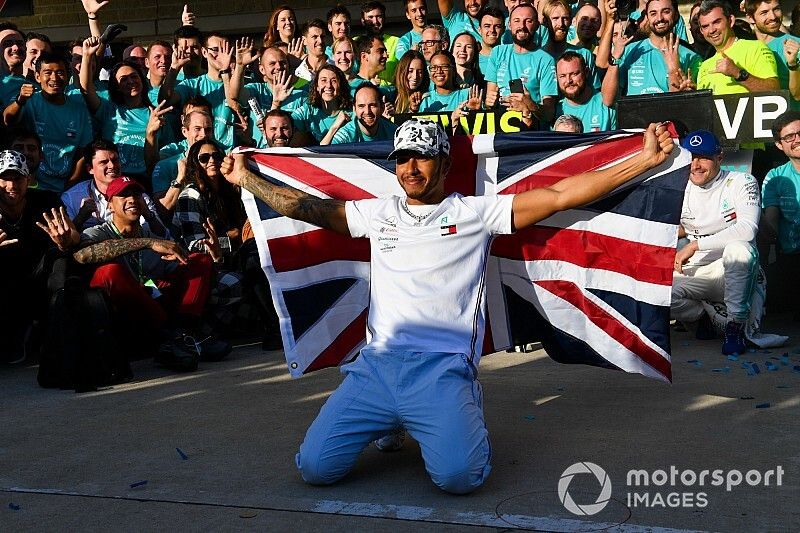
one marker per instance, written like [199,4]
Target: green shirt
[351,132]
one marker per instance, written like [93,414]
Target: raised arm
[445,7]
[92,8]
[90,47]
[287,201]
[532,206]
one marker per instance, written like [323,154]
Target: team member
[367,122]
[419,368]
[492,26]
[373,19]
[595,109]
[767,17]
[417,15]
[720,215]
[461,18]
[314,40]
[329,95]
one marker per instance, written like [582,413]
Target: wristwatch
[793,67]
[613,61]
[176,184]
[743,75]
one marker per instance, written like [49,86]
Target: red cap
[122,184]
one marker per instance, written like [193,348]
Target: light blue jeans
[435,397]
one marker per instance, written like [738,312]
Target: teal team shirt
[409,41]
[588,58]
[643,70]
[166,170]
[214,92]
[64,130]
[781,189]
[458,21]
[312,119]
[126,127]
[433,102]
[594,114]
[536,68]
[776,45]
[351,132]
[9,88]
[540,37]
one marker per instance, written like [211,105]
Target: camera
[625,8]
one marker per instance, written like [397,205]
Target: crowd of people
[113,164]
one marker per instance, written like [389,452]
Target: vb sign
[748,117]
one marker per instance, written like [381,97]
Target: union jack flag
[591,284]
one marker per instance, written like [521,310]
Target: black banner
[475,122]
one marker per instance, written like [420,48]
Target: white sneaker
[391,442]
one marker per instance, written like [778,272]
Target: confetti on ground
[785,359]
[766,351]
[183,455]
[762,405]
[752,350]
[752,368]
[139,484]
[530,417]
[772,367]
[723,370]
[13,506]
[695,362]
[796,368]
[733,357]
[746,398]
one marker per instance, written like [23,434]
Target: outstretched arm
[532,206]
[104,251]
[287,201]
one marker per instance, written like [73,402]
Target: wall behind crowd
[147,20]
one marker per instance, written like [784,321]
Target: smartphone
[515,86]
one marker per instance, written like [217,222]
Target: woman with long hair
[411,81]
[282,27]
[208,219]
[123,117]
[328,96]
[466,51]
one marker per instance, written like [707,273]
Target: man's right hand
[93,6]
[25,92]
[170,250]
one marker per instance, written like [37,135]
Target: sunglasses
[206,157]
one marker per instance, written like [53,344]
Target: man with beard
[658,64]
[767,17]
[373,18]
[278,128]
[540,36]
[61,121]
[526,62]
[458,19]
[558,19]
[492,26]
[739,65]
[367,123]
[12,44]
[419,369]
[417,15]
[594,109]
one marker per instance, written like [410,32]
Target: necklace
[418,218]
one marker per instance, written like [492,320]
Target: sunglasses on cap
[206,157]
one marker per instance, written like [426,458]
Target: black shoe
[112,32]
[174,358]
[206,347]
[705,329]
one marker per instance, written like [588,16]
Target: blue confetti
[763,405]
[785,359]
[723,370]
[796,368]
[752,350]
[752,369]
[530,417]
[183,455]
[733,357]
[139,484]
[772,367]
[13,506]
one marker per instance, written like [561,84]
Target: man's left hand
[683,255]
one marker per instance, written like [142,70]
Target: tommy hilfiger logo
[449,230]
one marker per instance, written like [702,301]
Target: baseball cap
[13,160]
[121,185]
[422,136]
[701,142]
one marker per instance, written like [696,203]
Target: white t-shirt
[724,210]
[427,281]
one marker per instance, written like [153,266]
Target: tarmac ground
[214,450]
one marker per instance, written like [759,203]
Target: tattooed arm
[104,251]
[287,201]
